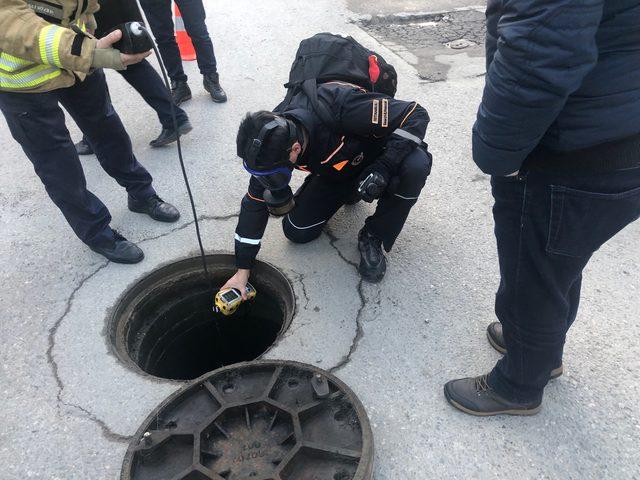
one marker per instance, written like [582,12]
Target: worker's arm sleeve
[27,37]
[544,51]
[251,225]
[374,115]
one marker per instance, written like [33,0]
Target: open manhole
[165,324]
[266,420]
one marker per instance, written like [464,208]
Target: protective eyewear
[274,179]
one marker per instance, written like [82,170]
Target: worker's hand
[239,282]
[127,59]
[373,182]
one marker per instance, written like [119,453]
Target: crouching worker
[368,146]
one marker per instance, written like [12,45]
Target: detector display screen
[230,296]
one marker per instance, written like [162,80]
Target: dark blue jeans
[547,227]
[160,16]
[37,122]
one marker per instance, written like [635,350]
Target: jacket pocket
[581,222]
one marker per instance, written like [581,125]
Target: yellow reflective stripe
[49,43]
[29,78]
[10,63]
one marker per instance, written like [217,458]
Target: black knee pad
[417,166]
[299,235]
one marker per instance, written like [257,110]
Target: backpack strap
[310,89]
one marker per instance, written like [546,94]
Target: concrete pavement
[69,406]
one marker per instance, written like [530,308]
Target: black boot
[211,84]
[169,135]
[156,208]
[496,340]
[121,250]
[180,92]
[373,263]
[476,397]
[83,148]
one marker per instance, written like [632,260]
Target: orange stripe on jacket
[255,198]
[334,152]
[341,165]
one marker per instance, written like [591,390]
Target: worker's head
[269,147]
[266,140]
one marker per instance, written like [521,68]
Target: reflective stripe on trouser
[319,199]
[393,209]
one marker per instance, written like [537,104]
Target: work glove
[373,181]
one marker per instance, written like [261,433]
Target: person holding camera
[47,60]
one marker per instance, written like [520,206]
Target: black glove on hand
[373,182]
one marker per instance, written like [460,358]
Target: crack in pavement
[300,278]
[107,433]
[191,222]
[363,303]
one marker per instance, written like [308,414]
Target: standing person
[45,58]
[559,131]
[160,17]
[141,76]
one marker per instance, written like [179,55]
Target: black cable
[182,166]
[186,182]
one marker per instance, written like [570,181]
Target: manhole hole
[267,420]
[165,325]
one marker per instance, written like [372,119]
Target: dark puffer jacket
[564,74]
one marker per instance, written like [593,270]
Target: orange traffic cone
[187,52]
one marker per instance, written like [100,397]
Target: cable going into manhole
[180,156]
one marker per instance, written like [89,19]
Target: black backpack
[327,57]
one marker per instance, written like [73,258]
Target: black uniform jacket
[367,127]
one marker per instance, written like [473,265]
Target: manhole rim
[114,327]
[365,467]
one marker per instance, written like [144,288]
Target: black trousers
[37,122]
[319,199]
[160,17]
[148,83]
[547,228]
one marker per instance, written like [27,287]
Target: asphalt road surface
[69,406]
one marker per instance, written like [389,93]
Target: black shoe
[373,263]
[156,208]
[121,250]
[83,148]
[169,135]
[476,397]
[180,92]
[496,339]
[211,84]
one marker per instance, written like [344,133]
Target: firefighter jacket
[44,45]
[367,127]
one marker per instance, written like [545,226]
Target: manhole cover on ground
[266,420]
[165,325]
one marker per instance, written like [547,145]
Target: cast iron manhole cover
[266,420]
[165,325]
